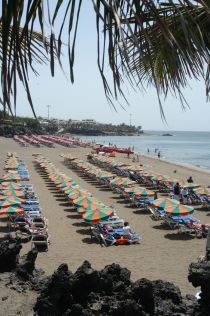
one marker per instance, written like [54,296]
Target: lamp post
[130,118]
[48,111]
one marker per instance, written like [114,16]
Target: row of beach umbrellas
[91,208]
[11,195]
[170,206]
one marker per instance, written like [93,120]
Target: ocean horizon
[186,148]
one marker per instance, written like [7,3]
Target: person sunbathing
[127,229]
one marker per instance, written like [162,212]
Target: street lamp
[130,118]
[48,111]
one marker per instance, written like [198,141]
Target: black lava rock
[158,297]
[85,280]
[25,270]
[56,298]
[199,275]
[9,254]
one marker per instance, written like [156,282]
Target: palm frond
[146,42]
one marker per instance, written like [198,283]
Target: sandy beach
[162,254]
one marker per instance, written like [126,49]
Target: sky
[85,99]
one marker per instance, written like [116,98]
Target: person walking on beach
[148,150]
[177,191]
[190,179]
[184,194]
[158,154]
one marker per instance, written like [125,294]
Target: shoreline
[177,163]
[177,151]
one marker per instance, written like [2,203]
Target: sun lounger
[170,222]
[27,187]
[101,238]
[155,213]
[24,232]
[31,201]
[39,222]
[30,207]
[184,228]
[38,241]
[21,221]
[116,222]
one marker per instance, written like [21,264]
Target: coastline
[190,167]
[70,237]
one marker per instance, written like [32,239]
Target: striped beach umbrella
[11,177]
[188,185]
[78,193]
[14,193]
[92,207]
[7,203]
[164,203]
[103,175]
[125,182]
[99,215]
[161,178]
[11,198]
[139,191]
[11,210]
[85,202]
[65,184]
[134,168]
[179,210]
[149,174]
[115,180]
[202,191]
[71,188]
[10,186]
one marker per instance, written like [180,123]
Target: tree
[147,42]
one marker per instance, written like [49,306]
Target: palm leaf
[146,42]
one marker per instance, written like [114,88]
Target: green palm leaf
[147,42]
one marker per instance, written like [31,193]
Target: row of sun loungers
[34,140]
[112,230]
[25,217]
[158,182]
[143,199]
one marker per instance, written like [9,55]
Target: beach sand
[162,254]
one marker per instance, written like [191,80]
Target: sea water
[190,148]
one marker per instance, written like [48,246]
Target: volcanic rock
[199,275]
[158,297]
[9,254]
[25,270]
[56,298]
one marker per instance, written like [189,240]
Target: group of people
[156,151]
[182,194]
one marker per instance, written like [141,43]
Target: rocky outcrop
[9,254]
[199,276]
[107,292]
[26,268]
[56,298]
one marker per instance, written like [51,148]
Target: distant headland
[26,125]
